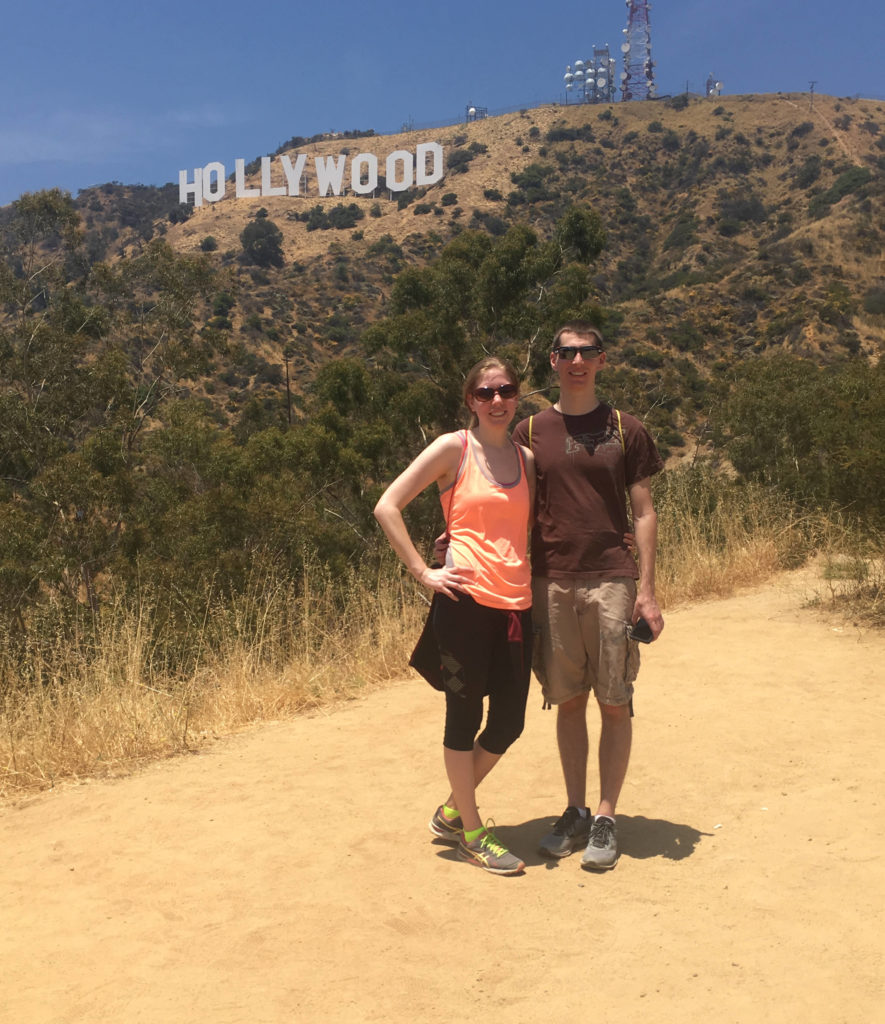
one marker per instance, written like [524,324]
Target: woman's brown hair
[474,374]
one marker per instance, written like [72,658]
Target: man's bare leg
[615,740]
[571,736]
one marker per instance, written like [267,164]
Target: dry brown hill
[736,225]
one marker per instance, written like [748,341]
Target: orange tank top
[488,532]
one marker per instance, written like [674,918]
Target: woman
[482,623]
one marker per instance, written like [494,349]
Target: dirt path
[288,875]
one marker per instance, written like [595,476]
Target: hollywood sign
[402,170]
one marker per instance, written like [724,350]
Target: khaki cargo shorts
[580,642]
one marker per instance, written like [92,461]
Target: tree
[816,433]
[88,355]
[262,243]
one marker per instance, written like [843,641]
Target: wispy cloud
[90,135]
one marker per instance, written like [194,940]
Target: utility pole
[287,355]
[811,90]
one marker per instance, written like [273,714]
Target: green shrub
[874,301]
[809,172]
[458,160]
[262,243]
[848,182]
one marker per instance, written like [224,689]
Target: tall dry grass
[716,534]
[98,708]
[119,693]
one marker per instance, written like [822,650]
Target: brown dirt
[287,874]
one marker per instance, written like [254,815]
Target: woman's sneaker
[602,849]
[569,833]
[488,853]
[447,829]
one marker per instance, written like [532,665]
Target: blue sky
[94,91]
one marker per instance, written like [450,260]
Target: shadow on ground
[638,837]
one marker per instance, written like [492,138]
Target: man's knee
[575,707]
[614,714]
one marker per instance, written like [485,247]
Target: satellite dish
[600,82]
[718,85]
[624,75]
[568,77]
[579,63]
[569,87]
[625,47]
[579,76]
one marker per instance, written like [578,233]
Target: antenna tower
[593,80]
[638,76]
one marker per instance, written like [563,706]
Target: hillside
[735,226]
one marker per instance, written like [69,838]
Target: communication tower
[592,80]
[638,76]
[713,88]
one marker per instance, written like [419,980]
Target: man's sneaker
[602,849]
[449,830]
[488,853]
[569,833]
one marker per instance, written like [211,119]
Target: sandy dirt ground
[287,874]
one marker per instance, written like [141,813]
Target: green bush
[458,160]
[816,433]
[262,243]
[874,301]
[848,182]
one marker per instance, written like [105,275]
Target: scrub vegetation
[193,436]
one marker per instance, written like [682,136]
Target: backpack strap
[621,431]
[531,420]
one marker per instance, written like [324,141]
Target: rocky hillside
[736,226]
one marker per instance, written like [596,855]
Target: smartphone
[640,631]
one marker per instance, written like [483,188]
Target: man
[589,458]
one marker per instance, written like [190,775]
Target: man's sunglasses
[568,352]
[504,390]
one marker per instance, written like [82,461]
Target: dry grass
[854,584]
[716,535]
[101,707]
[99,710]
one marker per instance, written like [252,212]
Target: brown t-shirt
[583,474]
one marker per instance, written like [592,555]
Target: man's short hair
[580,328]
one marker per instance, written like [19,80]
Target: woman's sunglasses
[504,390]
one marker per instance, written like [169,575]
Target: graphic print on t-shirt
[575,443]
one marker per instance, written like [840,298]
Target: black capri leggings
[484,652]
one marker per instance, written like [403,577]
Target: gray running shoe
[569,833]
[490,854]
[602,849]
[443,828]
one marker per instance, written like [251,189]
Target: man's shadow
[638,837]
